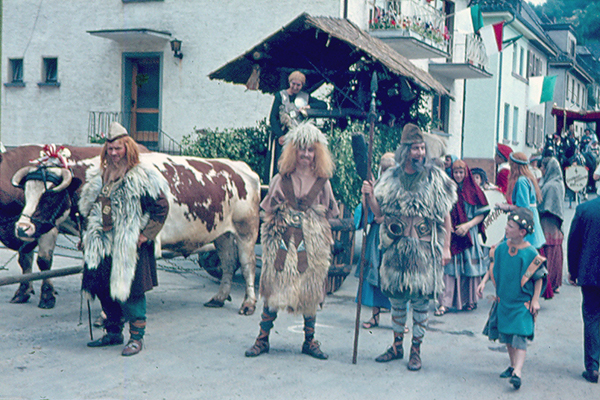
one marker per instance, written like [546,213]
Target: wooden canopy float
[327,50]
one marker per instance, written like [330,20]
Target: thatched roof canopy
[324,48]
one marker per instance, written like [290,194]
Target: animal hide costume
[296,240]
[115,218]
[412,235]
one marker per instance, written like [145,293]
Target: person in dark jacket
[583,254]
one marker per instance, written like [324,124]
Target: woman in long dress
[551,210]
[523,191]
[469,262]
[372,296]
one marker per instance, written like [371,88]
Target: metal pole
[365,207]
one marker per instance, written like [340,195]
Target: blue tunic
[523,195]
[514,317]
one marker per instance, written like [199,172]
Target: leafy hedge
[244,144]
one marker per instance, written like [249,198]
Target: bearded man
[124,204]
[414,198]
[296,236]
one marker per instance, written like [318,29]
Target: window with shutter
[529,129]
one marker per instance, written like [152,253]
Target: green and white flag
[468,20]
[541,89]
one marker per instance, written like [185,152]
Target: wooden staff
[365,210]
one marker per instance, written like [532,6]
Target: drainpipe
[464,107]
[345,9]
[499,98]
[500,87]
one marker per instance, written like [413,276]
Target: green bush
[243,144]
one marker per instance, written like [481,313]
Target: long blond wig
[131,150]
[518,169]
[303,136]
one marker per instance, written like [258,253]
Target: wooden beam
[35,276]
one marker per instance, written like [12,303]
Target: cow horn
[67,177]
[19,175]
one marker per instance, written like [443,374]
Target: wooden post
[372,117]
[35,276]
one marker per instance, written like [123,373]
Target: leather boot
[310,345]
[414,362]
[313,349]
[261,345]
[133,347]
[395,352]
[110,339]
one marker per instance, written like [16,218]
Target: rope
[9,260]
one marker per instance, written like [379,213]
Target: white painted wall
[90,68]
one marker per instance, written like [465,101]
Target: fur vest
[129,220]
[413,263]
[289,289]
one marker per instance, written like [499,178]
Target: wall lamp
[176,48]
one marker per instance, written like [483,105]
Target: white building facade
[70,67]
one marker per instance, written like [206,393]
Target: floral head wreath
[53,156]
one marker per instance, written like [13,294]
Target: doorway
[141,97]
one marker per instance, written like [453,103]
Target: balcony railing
[99,124]
[412,18]
[475,51]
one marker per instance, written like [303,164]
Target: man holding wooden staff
[415,199]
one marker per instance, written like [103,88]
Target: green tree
[583,14]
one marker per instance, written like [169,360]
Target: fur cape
[410,265]
[128,222]
[299,293]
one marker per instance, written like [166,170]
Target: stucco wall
[90,68]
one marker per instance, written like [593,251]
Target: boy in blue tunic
[518,273]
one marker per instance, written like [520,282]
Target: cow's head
[47,203]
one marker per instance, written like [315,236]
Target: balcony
[471,61]
[412,28]
[155,140]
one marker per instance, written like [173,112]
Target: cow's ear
[18,179]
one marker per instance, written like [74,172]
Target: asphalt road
[193,352]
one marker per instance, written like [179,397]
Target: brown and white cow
[39,227]
[213,201]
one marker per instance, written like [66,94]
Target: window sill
[14,84]
[519,77]
[48,84]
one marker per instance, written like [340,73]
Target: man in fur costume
[124,204]
[415,199]
[296,236]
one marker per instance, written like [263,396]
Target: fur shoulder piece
[140,180]
[433,199]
